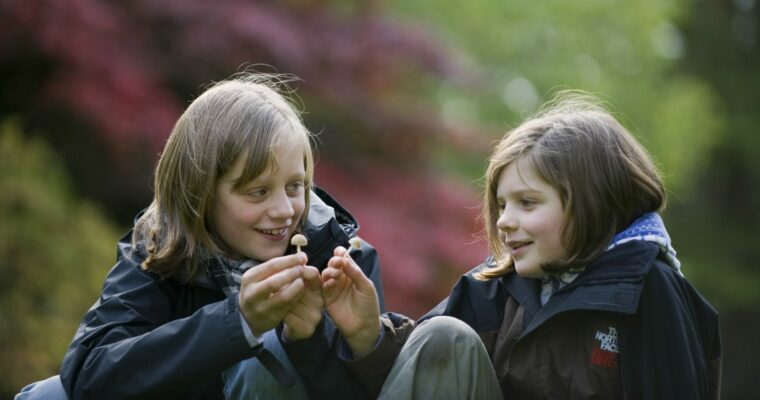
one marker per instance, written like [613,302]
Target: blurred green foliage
[624,51]
[53,251]
[716,219]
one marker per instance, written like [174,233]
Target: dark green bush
[54,252]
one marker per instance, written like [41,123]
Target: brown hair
[604,177]
[245,116]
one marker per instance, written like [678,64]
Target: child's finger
[356,275]
[312,277]
[339,251]
[259,291]
[273,266]
[332,273]
[264,307]
[329,284]
[286,296]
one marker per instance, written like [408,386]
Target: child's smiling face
[531,218]
[258,220]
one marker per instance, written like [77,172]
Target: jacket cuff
[253,340]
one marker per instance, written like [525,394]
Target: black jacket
[628,327]
[149,338]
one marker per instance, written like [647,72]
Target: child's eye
[257,193]
[527,203]
[295,187]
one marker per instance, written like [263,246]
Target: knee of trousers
[445,335]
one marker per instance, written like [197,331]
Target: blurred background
[406,97]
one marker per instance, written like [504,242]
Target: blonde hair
[604,177]
[244,116]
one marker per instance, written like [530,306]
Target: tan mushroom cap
[298,240]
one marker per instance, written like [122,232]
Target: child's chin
[529,271]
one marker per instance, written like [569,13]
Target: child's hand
[270,290]
[351,301]
[306,314]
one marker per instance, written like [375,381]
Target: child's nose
[281,206]
[507,221]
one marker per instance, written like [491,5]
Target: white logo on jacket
[608,340]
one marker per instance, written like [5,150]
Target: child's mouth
[517,248]
[274,234]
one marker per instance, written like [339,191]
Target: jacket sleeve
[130,346]
[372,369]
[671,346]
[316,358]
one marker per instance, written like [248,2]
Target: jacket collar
[329,225]
[613,283]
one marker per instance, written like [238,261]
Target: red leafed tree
[106,80]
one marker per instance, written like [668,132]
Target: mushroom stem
[355,244]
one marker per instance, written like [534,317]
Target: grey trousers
[442,359]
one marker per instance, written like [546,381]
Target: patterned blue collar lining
[648,227]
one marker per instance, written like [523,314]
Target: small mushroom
[355,244]
[298,240]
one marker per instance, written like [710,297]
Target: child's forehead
[287,147]
[524,166]
[282,155]
[521,175]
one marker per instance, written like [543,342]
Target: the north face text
[606,355]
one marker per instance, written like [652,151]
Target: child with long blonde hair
[207,278]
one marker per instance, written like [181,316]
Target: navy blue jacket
[628,327]
[148,338]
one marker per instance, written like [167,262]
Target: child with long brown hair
[582,296]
